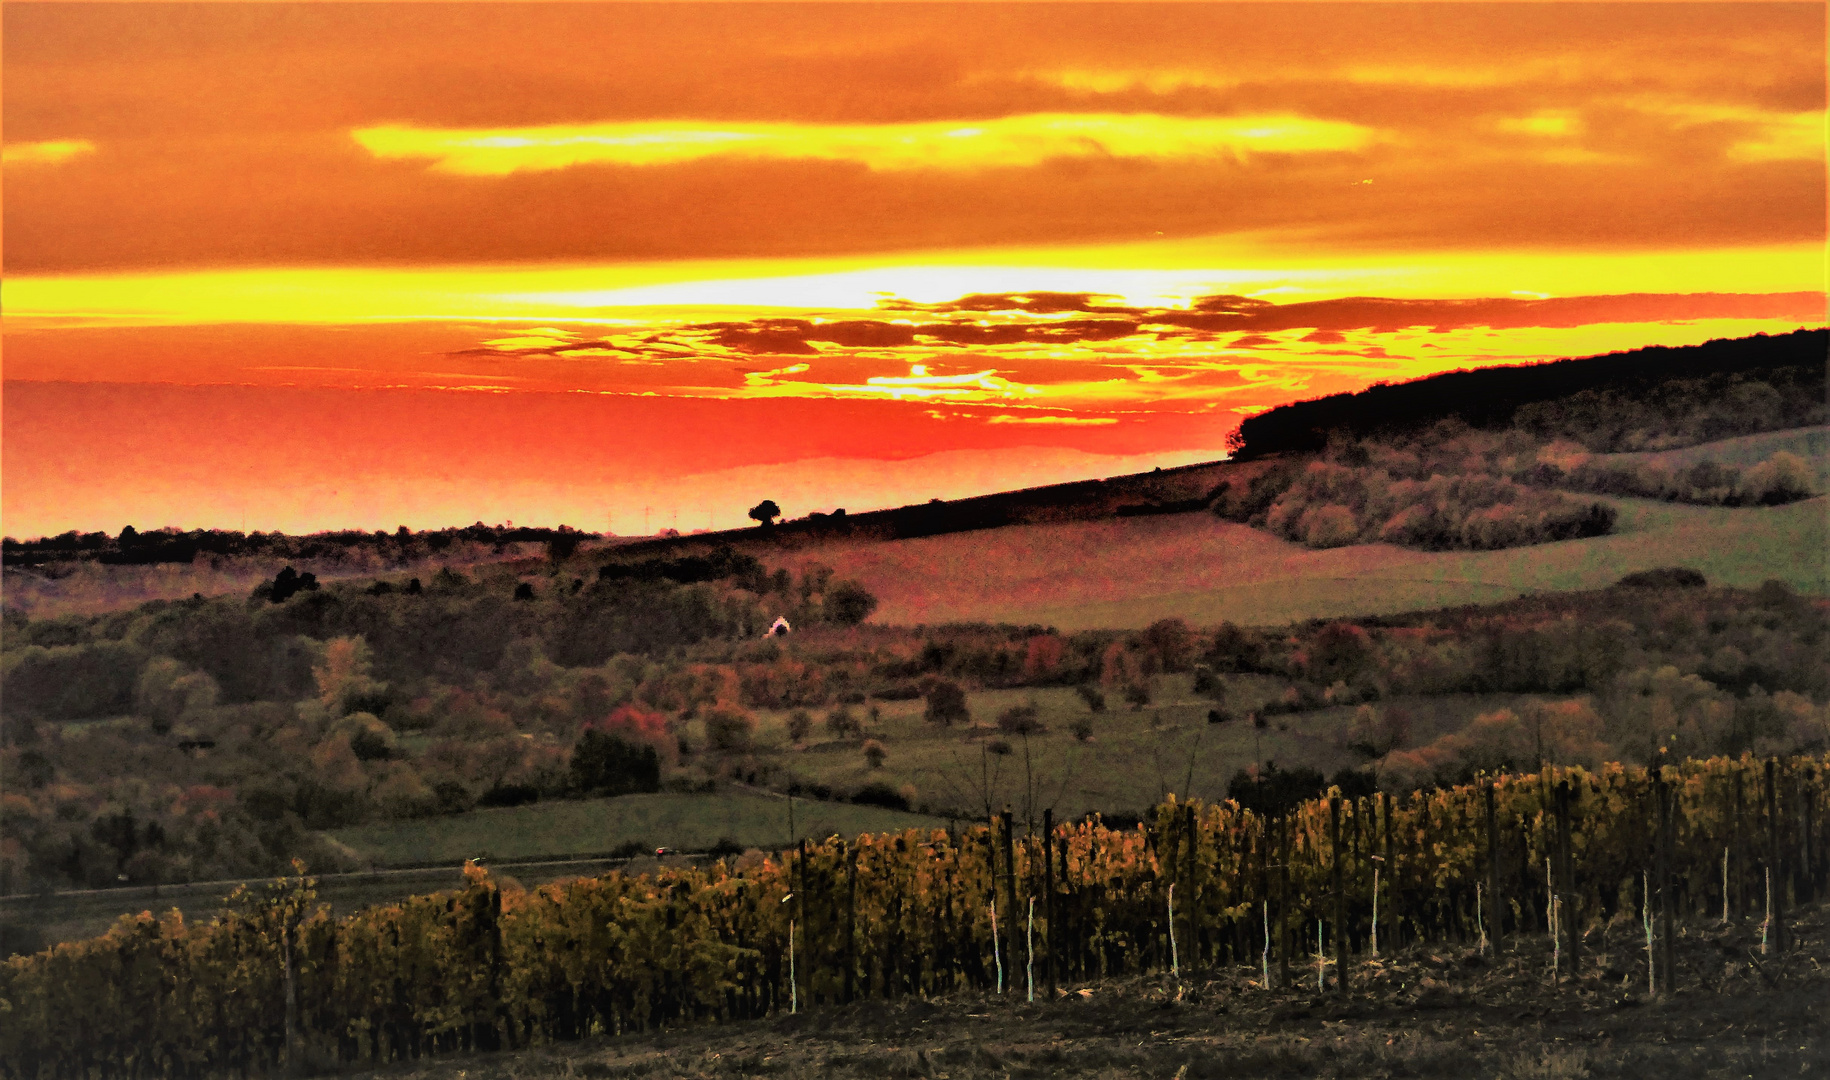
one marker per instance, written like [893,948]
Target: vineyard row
[276,981]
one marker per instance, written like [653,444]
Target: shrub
[1782,478]
[847,603]
[1665,577]
[1082,729]
[608,763]
[1273,791]
[1328,526]
[509,795]
[453,797]
[1000,747]
[1170,642]
[800,724]
[724,848]
[369,738]
[878,793]
[843,723]
[946,704]
[1137,695]
[1093,696]
[1355,784]
[639,726]
[874,753]
[1373,733]
[1020,720]
[729,727]
[820,792]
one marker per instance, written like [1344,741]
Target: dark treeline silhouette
[171,545]
[1792,364]
[689,569]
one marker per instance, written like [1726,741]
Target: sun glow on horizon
[1169,273]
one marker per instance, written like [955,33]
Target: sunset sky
[275,266]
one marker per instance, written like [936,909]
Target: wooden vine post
[1340,895]
[1775,858]
[798,948]
[1395,919]
[1808,806]
[1190,862]
[1662,793]
[1089,960]
[1493,867]
[1566,875]
[851,920]
[1739,837]
[1048,900]
[1284,933]
[1010,891]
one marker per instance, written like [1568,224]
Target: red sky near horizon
[298,266]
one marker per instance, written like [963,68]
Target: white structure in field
[779,626]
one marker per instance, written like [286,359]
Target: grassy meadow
[1135,755]
[1811,443]
[1129,572]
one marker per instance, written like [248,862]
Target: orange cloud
[513,135]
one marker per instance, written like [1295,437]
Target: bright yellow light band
[1003,142]
[54,152]
[1162,272]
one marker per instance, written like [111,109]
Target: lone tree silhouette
[764,513]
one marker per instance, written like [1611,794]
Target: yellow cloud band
[54,152]
[1004,142]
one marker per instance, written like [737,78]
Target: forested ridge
[1637,400]
[1499,457]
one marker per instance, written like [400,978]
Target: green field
[598,826]
[1812,444]
[1135,756]
[1130,572]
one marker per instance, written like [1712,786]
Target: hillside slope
[1130,572]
